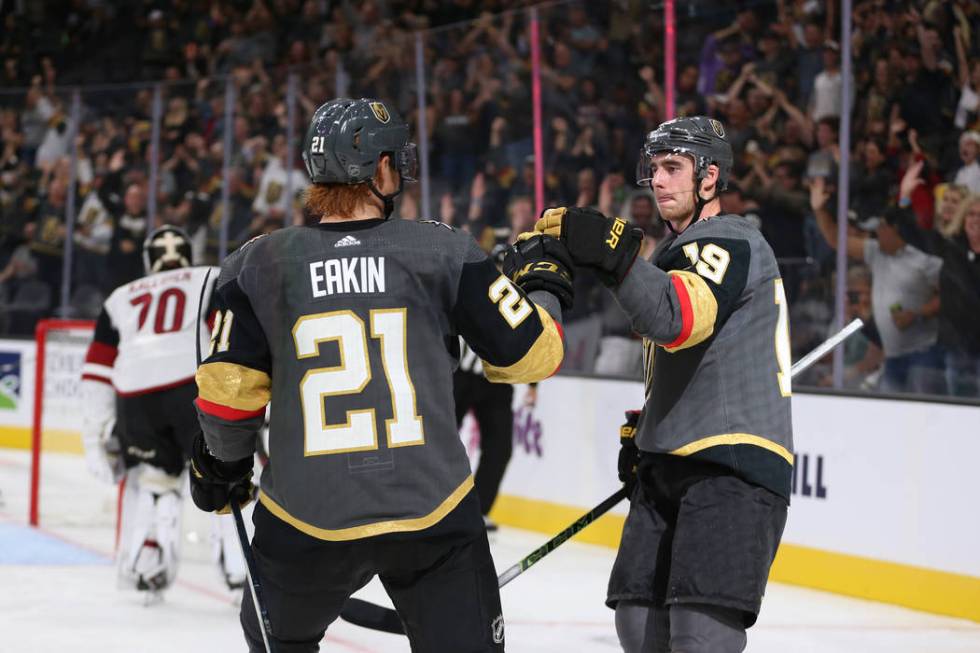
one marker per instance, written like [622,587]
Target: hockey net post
[45,333]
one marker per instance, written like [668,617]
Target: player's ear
[710,182]
[385,170]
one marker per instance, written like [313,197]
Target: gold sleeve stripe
[699,309]
[377,528]
[732,439]
[235,386]
[541,360]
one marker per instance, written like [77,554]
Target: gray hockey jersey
[351,331]
[711,307]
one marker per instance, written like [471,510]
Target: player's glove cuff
[538,262]
[609,245]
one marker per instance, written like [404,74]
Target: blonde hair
[956,224]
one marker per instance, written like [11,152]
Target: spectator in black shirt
[125,257]
[959,281]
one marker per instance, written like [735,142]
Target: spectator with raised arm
[958,245]
[968,75]
[904,299]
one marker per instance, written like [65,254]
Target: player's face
[672,182]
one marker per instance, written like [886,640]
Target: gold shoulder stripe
[732,439]
[699,310]
[541,360]
[235,386]
[377,528]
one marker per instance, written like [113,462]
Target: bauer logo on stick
[380,112]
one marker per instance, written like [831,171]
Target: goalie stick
[376,617]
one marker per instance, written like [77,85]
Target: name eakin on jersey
[361,274]
[362,351]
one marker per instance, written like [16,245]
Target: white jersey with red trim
[145,336]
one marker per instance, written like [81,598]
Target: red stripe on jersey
[226,412]
[687,312]
[101,354]
[96,377]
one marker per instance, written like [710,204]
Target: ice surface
[58,593]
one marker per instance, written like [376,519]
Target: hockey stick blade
[368,615]
[376,617]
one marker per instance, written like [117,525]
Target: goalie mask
[166,248]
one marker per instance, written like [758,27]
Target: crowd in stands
[771,71]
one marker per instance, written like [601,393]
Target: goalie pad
[102,451]
[149,550]
[227,548]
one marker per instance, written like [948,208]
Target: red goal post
[46,333]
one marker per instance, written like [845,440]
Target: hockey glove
[537,262]
[629,454]
[215,483]
[609,245]
[102,454]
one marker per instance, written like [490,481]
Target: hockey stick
[821,350]
[376,617]
[258,602]
[519,568]
[236,510]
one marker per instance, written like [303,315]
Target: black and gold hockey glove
[537,262]
[215,483]
[629,454]
[609,245]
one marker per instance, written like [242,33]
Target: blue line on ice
[22,545]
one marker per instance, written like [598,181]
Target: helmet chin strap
[699,204]
[388,200]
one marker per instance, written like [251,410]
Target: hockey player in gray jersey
[709,459]
[349,327]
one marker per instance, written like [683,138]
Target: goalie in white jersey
[140,421]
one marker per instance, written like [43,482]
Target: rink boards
[885,497]
[884,500]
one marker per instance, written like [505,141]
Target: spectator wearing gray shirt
[904,300]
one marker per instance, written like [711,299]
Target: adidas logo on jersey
[347,241]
